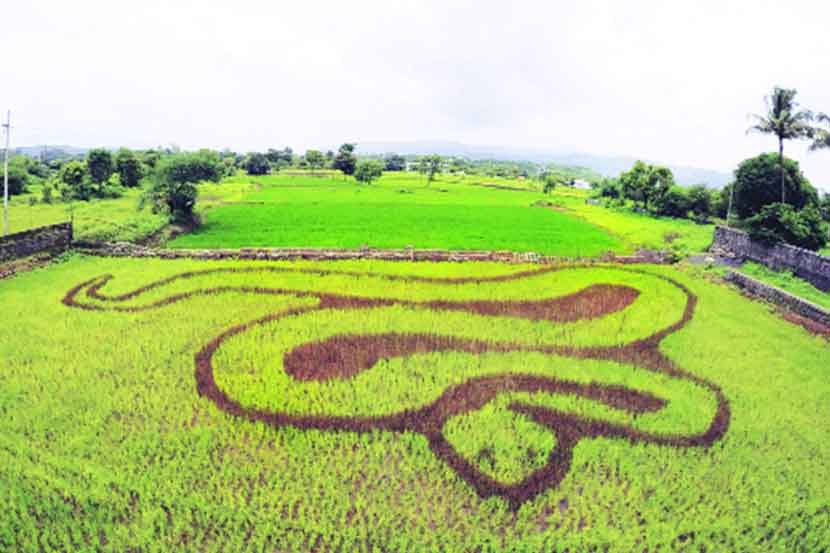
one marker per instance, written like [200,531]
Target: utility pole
[8,127]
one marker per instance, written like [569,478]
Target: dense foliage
[345,161]
[758,184]
[100,165]
[368,170]
[779,222]
[128,167]
[19,175]
[173,187]
[257,164]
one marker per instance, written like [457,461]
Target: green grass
[108,220]
[787,282]
[636,229]
[106,444]
[111,220]
[398,211]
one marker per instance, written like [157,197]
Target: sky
[672,81]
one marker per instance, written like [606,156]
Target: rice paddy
[378,406]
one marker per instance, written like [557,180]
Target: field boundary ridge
[127,249]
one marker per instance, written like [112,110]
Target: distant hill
[50,151]
[604,165]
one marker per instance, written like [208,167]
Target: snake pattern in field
[345,355]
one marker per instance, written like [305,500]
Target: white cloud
[668,81]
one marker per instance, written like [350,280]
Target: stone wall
[806,264]
[780,297]
[52,239]
[125,249]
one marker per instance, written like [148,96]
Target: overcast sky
[665,80]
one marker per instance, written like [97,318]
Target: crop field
[370,406]
[397,211]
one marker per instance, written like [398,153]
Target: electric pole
[8,128]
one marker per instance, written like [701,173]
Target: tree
[430,166]
[367,170]
[757,182]
[257,164]
[673,203]
[195,167]
[786,121]
[700,201]
[821,138]
[78,184]
[173,186]
[780,222]
[395,162]
[550,181]
[18,175]
[314,159]
[345,160]
[100,165]
[824,206]
[128,168]
[645,183]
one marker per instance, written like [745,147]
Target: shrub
[128,167]
[110,189]
[673,203]
[173,187]
[824,207]
[758,184]
[646,183]
[47,193]
[195,167]
[609,188]
[782,223]
[18,176]
[257,164]
[368,170]
[700,201]
[100,165]
[177,199]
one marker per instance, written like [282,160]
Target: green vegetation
[787,282]
[400,209]
[637,230]
[782,223]
[786,121]
[110,443]
[112,220]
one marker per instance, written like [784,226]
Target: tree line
[769,197]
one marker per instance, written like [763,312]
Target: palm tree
[821,139]
[785,120]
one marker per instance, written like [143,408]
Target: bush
[173,187]
[824,207]
[203,165]
[110,189]
[673,203]
[700,201]
[758,184]
[18,176]
[100,165]
[128,167]
[782,223]
[47,193]
[368,170]
[257,164]
[609,188]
